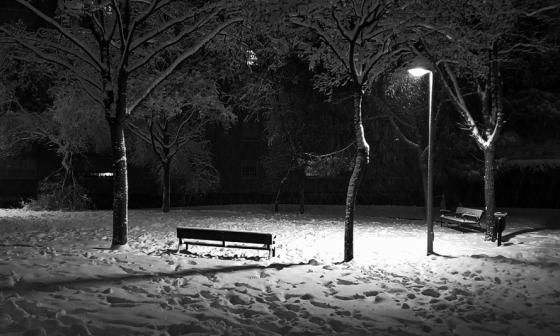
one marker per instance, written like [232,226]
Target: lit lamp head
[418,72]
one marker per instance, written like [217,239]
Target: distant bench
[472,216]
[461,216]
[209,237]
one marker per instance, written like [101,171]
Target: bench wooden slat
[193,235]
[458,219]
[469,211]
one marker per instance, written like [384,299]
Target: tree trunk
[166,186]
[301,190]
[489,191]
[166,171]
[279,190]
[120,167]
[362,158]
[120,186]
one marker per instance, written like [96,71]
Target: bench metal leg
[179,247]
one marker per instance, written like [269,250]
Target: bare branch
[56,46]
[155,142]
[322,156]
[542,10]
[345,33]
[58,61]
[94,96]
[457,99]
[180,128]
[401,134]
[526,47]
[325,38]
[98,24]
[154,6]
[180,59]
[119,21]
[64,32]
[138,132]
[137,43]
[171,42]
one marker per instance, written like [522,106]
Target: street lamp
[419,72]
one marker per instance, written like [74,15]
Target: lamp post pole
[419,72]
[430,187]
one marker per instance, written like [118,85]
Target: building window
[249,171]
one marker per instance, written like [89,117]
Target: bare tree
[175,116]
[470,42]
[401,101]
[359,42]
[104,43]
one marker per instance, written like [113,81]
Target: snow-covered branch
[76,41]
[330,43]
[180,59]
[171,42]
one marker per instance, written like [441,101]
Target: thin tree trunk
[279,191]
[489,191]
[120,186]
[362,158]
[166,186]
[166,171]
[302,190]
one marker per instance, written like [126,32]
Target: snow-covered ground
[58,277]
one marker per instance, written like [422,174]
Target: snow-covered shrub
[53,195]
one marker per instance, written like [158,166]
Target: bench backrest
[223,235]
[469,211]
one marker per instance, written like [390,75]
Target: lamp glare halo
[418,72]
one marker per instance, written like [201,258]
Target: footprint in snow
[371,293]
[431,292]
[352,297]
[285,314]
[345,282]
[322,304]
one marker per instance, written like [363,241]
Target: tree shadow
[465,228]
[514,261]
[443,255]
[132,276]
[508,236]
[21,245]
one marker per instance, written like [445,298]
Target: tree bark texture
[362,159]
[494,119]
[489,191]
[166,171]
[117,123]
[120,186]
[279,191]
[301,190]
[166,186]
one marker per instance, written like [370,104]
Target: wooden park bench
[461,216]
[214,237]
[470,216]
